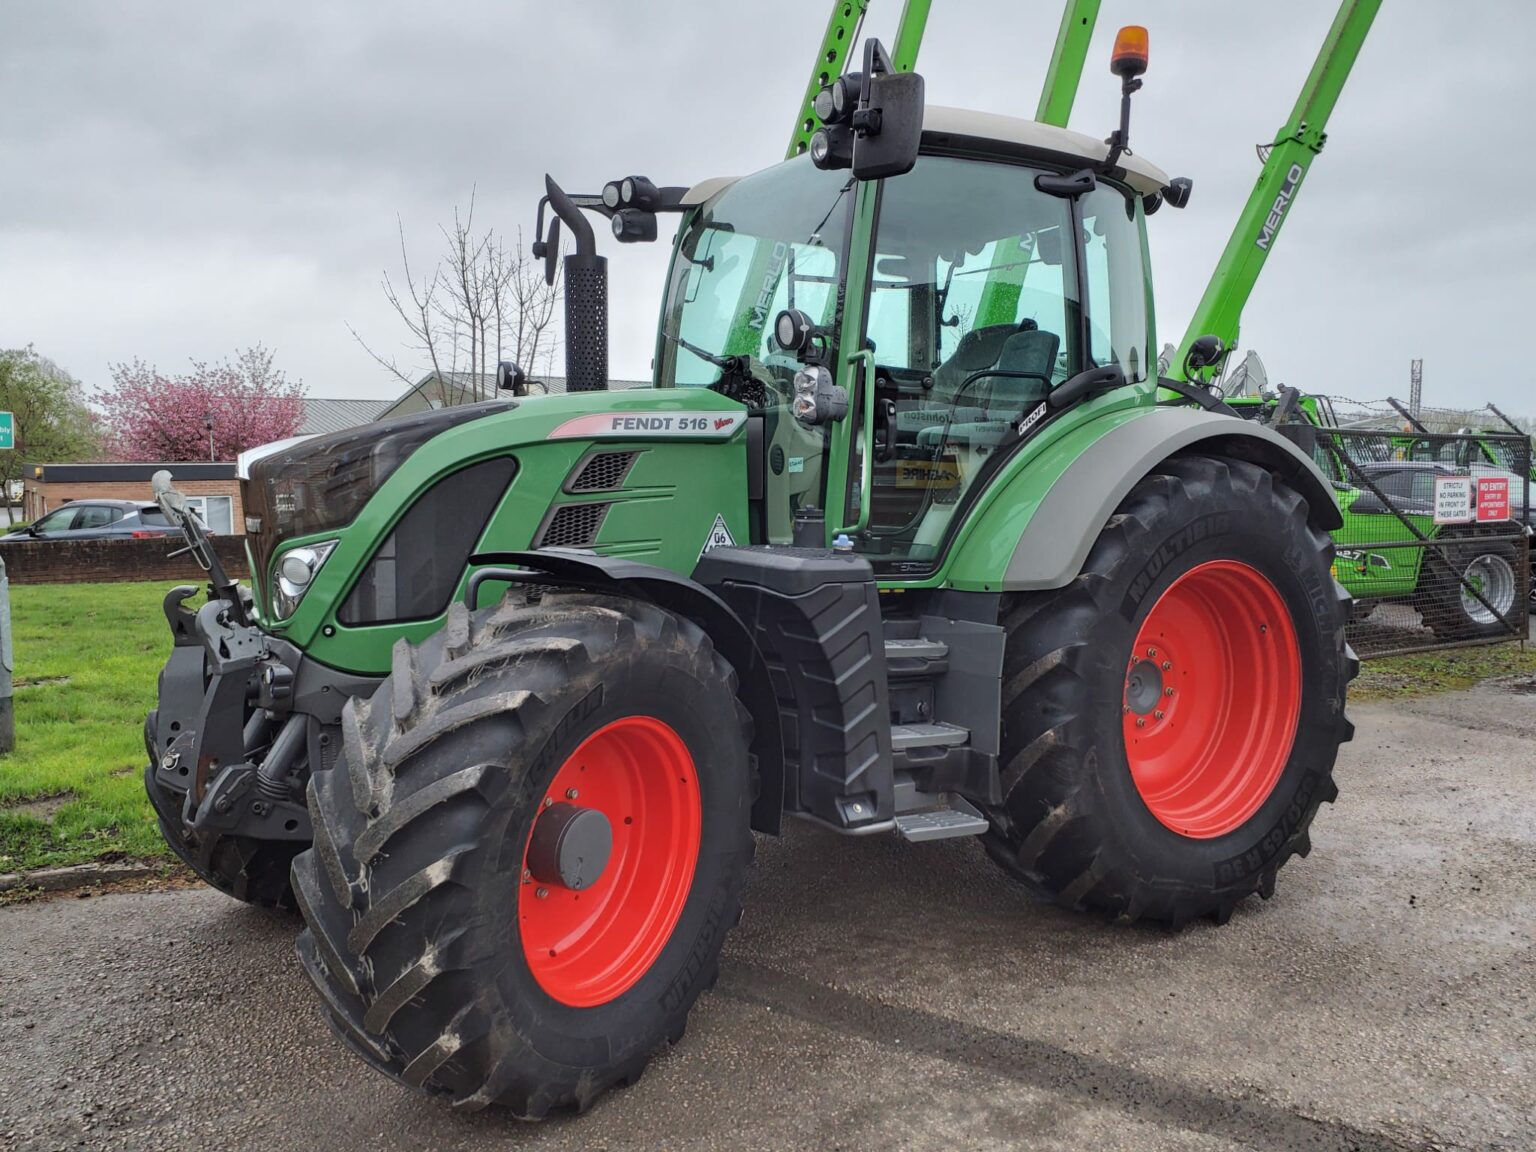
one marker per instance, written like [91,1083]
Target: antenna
[1415,387]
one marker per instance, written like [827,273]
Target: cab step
[915,658]
[958,818]
[905,737]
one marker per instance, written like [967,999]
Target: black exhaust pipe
[586,298]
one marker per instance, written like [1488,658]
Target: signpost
[7,431]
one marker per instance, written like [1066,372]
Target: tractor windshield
[770,241]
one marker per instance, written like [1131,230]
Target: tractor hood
[372,527]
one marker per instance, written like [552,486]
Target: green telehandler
[907,539]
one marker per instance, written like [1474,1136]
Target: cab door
[983,295]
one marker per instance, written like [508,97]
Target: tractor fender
[1056,541]
[692,600]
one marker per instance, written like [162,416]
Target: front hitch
[210,740]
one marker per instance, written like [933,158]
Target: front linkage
[242,717]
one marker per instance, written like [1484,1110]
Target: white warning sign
[719,535]
[1453,499]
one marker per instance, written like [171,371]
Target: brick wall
[42,496]
[112,561]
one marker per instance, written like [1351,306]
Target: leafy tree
[213,412]
[52,420]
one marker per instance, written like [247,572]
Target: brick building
[211,488]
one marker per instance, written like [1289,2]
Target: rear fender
[1056,540]
[689,599]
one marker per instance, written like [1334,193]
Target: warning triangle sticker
[719,535]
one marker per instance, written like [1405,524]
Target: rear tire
[430,944]
[1076,824]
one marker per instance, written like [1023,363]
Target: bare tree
[483,302]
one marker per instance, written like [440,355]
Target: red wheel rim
[1212,696]
[588,947]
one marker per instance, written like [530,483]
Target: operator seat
[989,408]
[977,350]
[1033,351]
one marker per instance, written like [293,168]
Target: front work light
[295,573]
[832,148]
[817,399]
[634,226]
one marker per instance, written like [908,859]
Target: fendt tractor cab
[906,539]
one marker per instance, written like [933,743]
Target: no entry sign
[1492,498]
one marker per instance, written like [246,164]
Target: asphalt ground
[888,995]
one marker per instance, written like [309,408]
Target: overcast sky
[180,179]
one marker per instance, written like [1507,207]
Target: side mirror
[892,128]
[511,378]
[1204,352]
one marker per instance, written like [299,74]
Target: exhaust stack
[586,295]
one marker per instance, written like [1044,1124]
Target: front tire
[1171,718]
[449,952]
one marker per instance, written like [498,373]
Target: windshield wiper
[724,363]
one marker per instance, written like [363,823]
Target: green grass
[87,658]
[1424,673]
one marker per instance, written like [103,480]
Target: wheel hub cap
[1144,687]
[570,846]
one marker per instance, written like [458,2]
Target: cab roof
[988,133]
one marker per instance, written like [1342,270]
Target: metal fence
[1436,541]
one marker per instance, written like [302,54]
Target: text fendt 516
[906,539]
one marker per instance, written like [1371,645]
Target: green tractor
[906,540]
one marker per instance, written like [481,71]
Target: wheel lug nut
[1167,691]
[1141,721]
[570,793]
[547,802]
[1167,664]
[541,893]
[1125,709]
[527,875]
[1158,715]
[1151,653]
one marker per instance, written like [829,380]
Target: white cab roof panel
[1010,131]
[989,127]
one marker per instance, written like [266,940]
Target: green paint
[659,518]
[1066,69]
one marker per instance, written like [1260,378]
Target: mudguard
[1068,519]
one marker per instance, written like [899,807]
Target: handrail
[867,441]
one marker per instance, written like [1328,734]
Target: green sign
[7,431]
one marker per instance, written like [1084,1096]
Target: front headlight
[296,571]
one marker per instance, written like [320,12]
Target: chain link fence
[1436,541]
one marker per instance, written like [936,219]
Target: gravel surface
[882,994]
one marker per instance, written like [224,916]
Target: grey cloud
[177,178]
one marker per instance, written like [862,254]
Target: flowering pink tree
[213,412]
